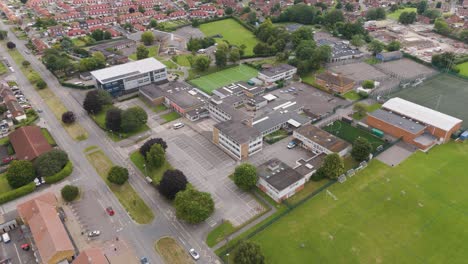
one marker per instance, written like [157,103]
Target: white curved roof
[421,113]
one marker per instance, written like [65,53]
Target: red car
[7,160]
[25,247]
[110,211]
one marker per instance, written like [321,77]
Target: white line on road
[17,253]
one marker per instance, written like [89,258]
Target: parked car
[194,254]
[37,182]
[25,247]
[144,260]
[292,144]
[8,159]
[178,125]
[94,233]
[110,211]
[6,237]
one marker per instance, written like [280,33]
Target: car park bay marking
[17,253]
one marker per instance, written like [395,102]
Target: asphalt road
[141,237]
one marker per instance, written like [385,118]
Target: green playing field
[212,81]
[412,213]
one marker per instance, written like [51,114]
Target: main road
[140,237]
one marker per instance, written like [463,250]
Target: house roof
[421,113]
[46,227]
[29,142]
[91,256]
[322,138]
[334,78]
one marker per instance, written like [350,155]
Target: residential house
[29,142]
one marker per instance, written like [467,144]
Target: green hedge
[16,193]
[80,87]
[66,171]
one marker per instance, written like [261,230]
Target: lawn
[171,251]
[215,80]
[395,15]
[182,60]
[4,186]
[127,196]
[153,52]
[372,61]
[3,68]
[463,67]
[169,117]
[48,136]
[352,95]
[412,213]
[309,187]
[276,136]
[78,42]
[231,31]
[154,174]
[369,108]
[159,108]
[219,233]
[169,64]
[349,133]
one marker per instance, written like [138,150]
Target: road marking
[17,253]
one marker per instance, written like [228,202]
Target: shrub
[50,162]
[20,173]
[70,192]
[41,84]
[68,117]
[118,175]
[65,172]
[193,206]
[156,156]
[245,176]
[16,193]
[149,143]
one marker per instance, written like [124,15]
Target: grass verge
[219,233]
[4,186]
[169,117]
[48,136]
[154,174]
[171,251]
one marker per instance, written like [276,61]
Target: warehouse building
[415,124]
[127,78]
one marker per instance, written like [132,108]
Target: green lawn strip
[369,108]
[170,116]
[349,133]
[390,214]
[169,64]
[349,162]
[215,80]
[159,108]
[463,67]
[395,15]
[371,61]
[352,95]
[3,68]
[231,31]
[154,174]
[153,52]
[219,233]
[4,141]
[171,251]
[309,187]
[276,136]
[4,186]
[127,196]
[48,136]
[182,60]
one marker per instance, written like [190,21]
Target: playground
[412,213]
[349,133]
[212,81]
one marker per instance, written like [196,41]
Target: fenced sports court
[349,133]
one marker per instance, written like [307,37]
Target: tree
[50,163]
[97,35]
[252,17]
[394,7]
[153,23]
[357,40]
[444,60]
[464,35]
[375,46]
[131,10]
[376,14]
[142,52]
[114,119]
[333,166]
[20,173]
[361,149]
[339,5]
[141,9]
[91,103]
[234,55]
[149,143]
[69,192]
[245,176]
[156,156]
[41,84]
[440,26]
[228,11]
[68,117]
[3,34]
[432,13]
[439,5]
[201,63]
[11,45]
[349,7]
[407,18]
[193,206]
[394,46]
[299,13]
[107,35]
[172,182]
[104,97]
[118,175]
[220,58]
[360,109]
[368,84]
[332,17]
[421,7]
[26,63]
[99,59]
[133,118]
[248,252]
[303,33]
[147,38]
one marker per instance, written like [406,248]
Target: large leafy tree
[114,119]
[375,46]
[149,143]
[193,206]
[50,163]
[156,156]
[245,176]
[421,7]
[407,18]
[118,175]
[444,60]
[69,192]
[95,100]
[142,52]
[361,149]
[332,17]
[201,63]
[133,118]
[68,117]
[394,46]
[172,182]
[19,173]
[220,58]
[333,166]
[248,252]
[147,38]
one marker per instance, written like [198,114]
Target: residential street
[141,237]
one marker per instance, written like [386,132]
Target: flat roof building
[276,73]
[238,139]
[318,140]
[127,78]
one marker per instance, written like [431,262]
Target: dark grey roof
[275,70]
[392,54]
[238,131]
[177,92]
[306,166]
[323,138]
[278,174]
[339,49]
[398,121]
[276,118]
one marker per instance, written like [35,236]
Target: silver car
[194,254]
[94,233]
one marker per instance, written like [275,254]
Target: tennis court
[349,133]
[445,93]
[212,81]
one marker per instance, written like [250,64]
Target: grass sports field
[210,82]
[349,133]
[231,31]
[463,67]
[445,93]
[412,213]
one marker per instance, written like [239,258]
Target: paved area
[396,154]
[360,71]
[13,251]
[189,32]
[405,69]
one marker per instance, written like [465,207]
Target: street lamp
[144,166]
[227,255]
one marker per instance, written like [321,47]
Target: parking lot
[13,251]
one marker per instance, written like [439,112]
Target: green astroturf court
[463,67]
[445,93]
[349,133]
[212,81]
[414,213]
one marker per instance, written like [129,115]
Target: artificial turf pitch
[349,133]
[412,213]
[212,81]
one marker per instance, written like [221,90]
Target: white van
[178,125]
[201,51]
[6,238]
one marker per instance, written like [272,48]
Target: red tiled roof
[29,142]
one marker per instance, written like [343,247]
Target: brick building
[334,82]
